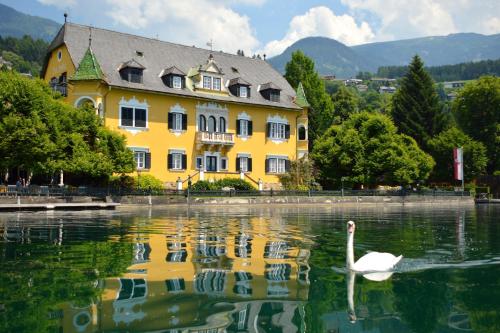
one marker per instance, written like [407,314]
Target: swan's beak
[350,227]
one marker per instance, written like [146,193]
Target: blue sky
[269,26]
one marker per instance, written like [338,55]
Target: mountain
[334,58]
[17,24]
[329,55]
[435,51]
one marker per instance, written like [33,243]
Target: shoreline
[25,203]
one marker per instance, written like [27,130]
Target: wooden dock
[59,206]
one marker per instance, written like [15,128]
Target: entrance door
[211,163]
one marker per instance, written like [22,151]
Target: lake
[249,269]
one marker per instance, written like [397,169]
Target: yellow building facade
[187,113]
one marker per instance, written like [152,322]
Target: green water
[251,269]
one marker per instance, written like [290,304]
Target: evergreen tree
[301,69]
[415,106]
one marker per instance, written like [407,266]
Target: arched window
[302,133]
[212,124]
[85,101]
[202,126]
[222,125]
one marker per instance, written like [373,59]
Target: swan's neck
[350,250]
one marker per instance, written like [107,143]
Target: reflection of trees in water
[46,263]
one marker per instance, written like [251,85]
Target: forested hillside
[463,71]
[26,54]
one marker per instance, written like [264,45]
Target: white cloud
[321,21]
[189,21]
[59,3]
[414,18]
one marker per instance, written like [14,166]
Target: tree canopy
[415,106]
[441,149]
[301,69]
[477,111]
[41,134]
[366,149]
[345,103]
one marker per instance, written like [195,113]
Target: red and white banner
[458,163]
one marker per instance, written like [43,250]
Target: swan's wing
[376,262]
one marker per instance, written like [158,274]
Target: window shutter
[248,91]
[184,121]
[170,120]
[250,127]
[170,163]
[267,165]
[183,82]
[287,165]
[287,131]
[238,127]
[268,130]
[147,164]
[184,161]
[238,164]
[249,164]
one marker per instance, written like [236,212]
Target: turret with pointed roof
[300,98]
[88,68]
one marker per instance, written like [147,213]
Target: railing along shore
[67,191]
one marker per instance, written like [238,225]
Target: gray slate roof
[112,49]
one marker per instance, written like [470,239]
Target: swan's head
[350,227]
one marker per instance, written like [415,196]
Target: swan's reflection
[351,279]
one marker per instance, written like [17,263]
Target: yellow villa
[187,113]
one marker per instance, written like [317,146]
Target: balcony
[214,138]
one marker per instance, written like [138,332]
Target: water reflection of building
[209,280]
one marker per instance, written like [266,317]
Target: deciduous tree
[366,149]
[477,111]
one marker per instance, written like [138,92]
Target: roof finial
[65,17]
[90,36]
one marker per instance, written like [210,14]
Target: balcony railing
[216,138]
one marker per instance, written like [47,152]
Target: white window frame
[177,121]
[277,164]
[134,104]
[243,127]
[216,83]
[277,130]
[139,152]
[207,82]
[176,158]
[243,91]
[177,82]
[243,163]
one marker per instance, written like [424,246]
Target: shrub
[146,182]
[203,185]
[143,182]
[237,184]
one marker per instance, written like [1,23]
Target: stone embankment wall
[279,200]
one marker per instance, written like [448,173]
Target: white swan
[370,262]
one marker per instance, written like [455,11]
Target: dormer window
[131,71]
[271,92]
[177,82]
[243,91]
[216,83]
[173,78]
[239,87]
[207,82]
